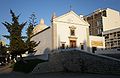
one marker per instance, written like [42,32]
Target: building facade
[66,31]
[2,42]
[105,22]
[96,22]
[112,38]
[96,43]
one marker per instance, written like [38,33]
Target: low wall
[42,57]
[78,61]
[117,56]
[109,51]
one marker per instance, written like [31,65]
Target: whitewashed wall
[63,31]
[45,39]
[99,39]
[112,20]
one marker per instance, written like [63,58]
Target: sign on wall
[96,43]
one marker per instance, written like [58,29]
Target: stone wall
[117,56]
[108,51]
[78,61]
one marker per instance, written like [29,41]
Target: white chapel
[66,31]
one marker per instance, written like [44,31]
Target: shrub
[26,66]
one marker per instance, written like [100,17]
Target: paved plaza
[56,75]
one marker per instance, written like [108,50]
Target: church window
[72,32]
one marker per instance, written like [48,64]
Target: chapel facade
[66,31]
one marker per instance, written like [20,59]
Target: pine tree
[31,44]
[17,45]
[3,53]
[3,49]
[32,19]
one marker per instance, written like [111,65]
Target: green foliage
[17,45]
[27,67]
[32,19]
[31,44]
[3,53]
[3,49]
[29,31]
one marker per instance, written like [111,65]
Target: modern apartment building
[105,22]
[96,22]
[102,20]
[112,38]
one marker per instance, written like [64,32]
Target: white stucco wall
[45,39]
[63,31]
[112,20]
[98,41]
[61,27]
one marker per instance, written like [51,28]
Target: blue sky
[45,8]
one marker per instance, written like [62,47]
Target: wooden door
[72,43]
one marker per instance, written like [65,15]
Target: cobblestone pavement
[56,75]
